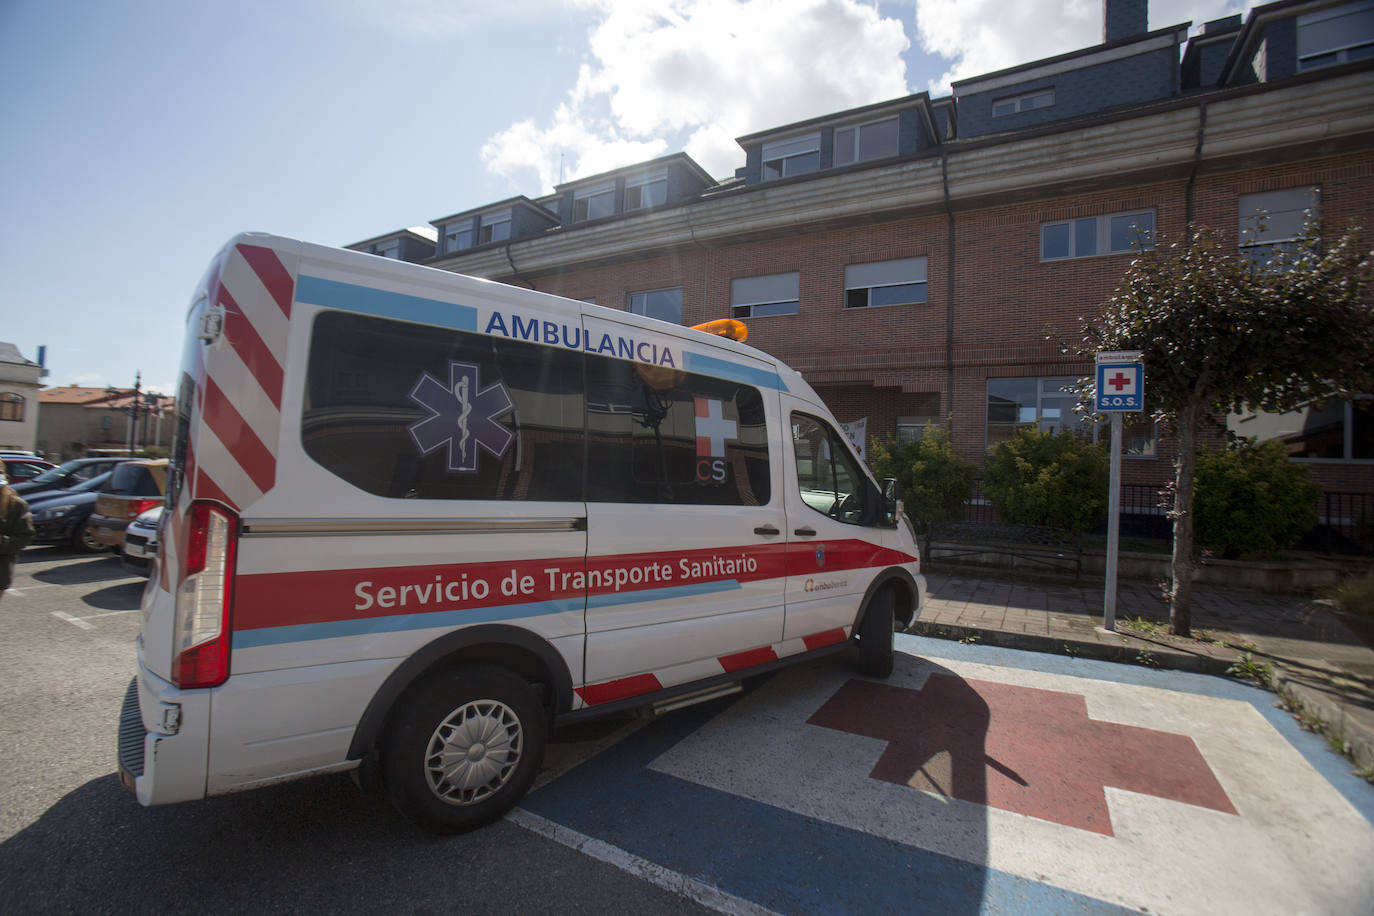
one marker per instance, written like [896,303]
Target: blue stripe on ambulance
[372,301]
[702,364]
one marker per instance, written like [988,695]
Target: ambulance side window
[660,435]
[830,480]
[413,411]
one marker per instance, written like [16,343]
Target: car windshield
[95,483]
[53,475]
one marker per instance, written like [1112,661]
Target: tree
[1055,481]
[1220,331]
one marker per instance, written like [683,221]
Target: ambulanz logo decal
[462,416]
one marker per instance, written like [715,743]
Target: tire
[84,540]
[464,748]
[875,636]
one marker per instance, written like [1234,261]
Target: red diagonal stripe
[248,344]
[238,437]
[619,690]
[272,273]
[821,640]
[748,659]
[206,488]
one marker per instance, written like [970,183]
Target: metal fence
[1345,522]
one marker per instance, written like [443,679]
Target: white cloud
[695,74]
[980,36]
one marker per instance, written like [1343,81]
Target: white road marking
[83,623]
[666,878]
[74,621]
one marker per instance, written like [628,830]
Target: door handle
[805,532]
[767,530]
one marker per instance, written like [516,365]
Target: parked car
[66,475]
[59,516]
[19,468]
[134,487]
[140,542]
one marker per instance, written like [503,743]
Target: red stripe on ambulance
[273,274]
[622,689]
[248,344]
[821,640]
[748,659]
[257,461]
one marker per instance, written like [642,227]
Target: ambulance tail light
[203,601]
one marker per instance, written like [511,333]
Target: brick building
[922,259]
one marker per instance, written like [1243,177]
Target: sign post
[1120,388]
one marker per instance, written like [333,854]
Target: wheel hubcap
[473,752]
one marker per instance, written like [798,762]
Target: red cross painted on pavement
[1119,381]
[1021,749]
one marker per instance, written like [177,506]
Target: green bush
[933,479]
[1057,481]
[1252,501]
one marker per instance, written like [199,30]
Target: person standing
[16,530]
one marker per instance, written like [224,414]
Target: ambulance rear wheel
[464,749]
[875,636]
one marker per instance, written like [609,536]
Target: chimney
[1124,19]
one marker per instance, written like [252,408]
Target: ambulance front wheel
[465,747]
[875,636]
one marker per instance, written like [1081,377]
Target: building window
[1046,404]
[760,297]
[1274,221]
[900,282]
[785,158]
[593,203]
[1040,98]
[1332,429]
[863,142]
[391,249]
[1094,235]
[1336,35]
[458,236]
[663,304]
[495,227]
[649,191]
[11,406]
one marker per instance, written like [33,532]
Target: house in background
[78,421]
[20,379]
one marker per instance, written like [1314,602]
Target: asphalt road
[72,840]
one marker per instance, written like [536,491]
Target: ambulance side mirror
[892,506]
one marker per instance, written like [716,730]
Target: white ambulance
[418,519]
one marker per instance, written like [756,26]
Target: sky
[137,137]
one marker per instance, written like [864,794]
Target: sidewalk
[1293,644]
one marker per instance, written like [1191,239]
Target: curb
[1326,715]
[1152,654]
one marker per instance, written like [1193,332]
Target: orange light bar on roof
[725,327]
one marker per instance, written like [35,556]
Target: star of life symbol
[463,416]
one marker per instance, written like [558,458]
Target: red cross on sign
[1120,381]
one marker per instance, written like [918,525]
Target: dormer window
[1336,35]
[594,202]
[1040,98]
[495,227]
[391,249]
[458,236]
[786,158]
[862,142]
[647,191]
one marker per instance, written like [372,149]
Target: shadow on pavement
[124,597]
